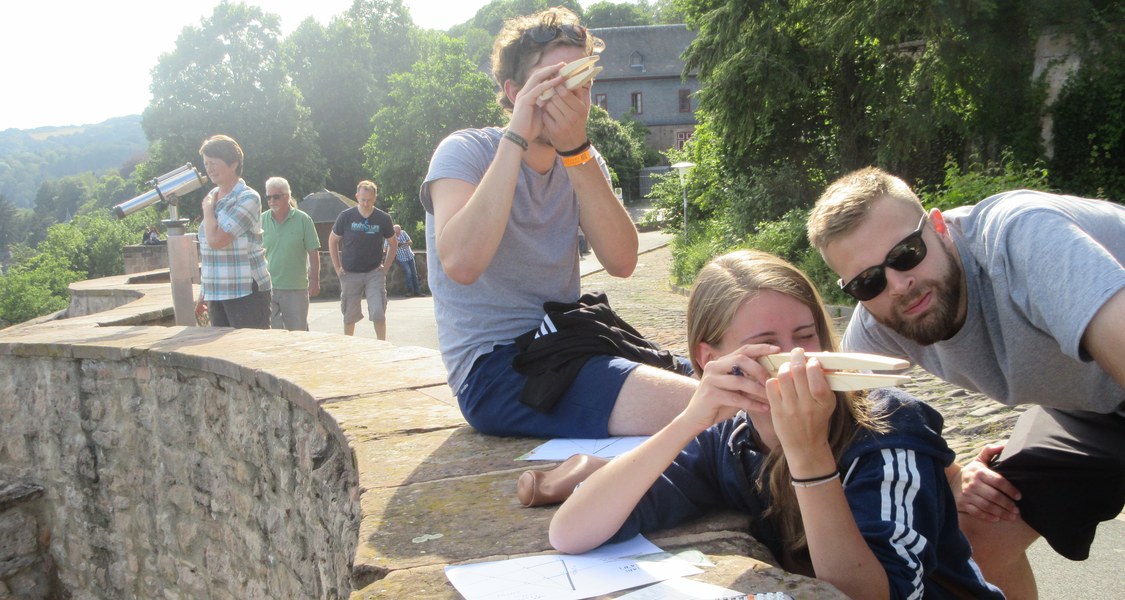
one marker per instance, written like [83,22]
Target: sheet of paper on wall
[607,569]
[564,448]
[680,588]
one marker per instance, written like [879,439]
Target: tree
[665,12]
[226,76]
[10,222]
[342,73]
[1089,114]
[442,93]
[492,15]
[838,85]
[111,190]
[622,145]
[617,14]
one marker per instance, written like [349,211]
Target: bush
[785,238]
[981,180]
[1089,130]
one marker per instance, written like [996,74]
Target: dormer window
[637,61]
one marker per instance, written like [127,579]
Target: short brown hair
[846,202]
[367,184]
[224,148]
[513,54]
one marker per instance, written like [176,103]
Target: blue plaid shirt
[230,272]
[405,253]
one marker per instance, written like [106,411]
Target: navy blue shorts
[490,398]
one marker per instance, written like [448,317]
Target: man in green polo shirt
[292,252]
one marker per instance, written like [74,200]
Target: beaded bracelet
[515,137]
[579,159]
[814,481]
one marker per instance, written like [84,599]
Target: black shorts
[1069,467]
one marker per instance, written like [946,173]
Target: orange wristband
[578,159]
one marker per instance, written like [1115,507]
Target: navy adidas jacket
[894,482]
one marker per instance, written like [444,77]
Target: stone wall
[199,462]
[140,258]
[164,480]
[26,568]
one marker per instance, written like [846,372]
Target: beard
[940,321]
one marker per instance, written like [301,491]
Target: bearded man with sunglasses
[503,208]
[1022,298]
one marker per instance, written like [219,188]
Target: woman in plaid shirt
[236,282]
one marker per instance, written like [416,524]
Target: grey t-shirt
[537,260]
[1037,268]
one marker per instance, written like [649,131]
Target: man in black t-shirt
[356,248]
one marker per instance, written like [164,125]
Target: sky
[67,62]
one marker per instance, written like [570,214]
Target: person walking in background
[293,256]
[503,208]
[356,248]
[236,283]
[1020,297]
[405,259]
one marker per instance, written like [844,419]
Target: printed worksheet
[609,568]
[564,448]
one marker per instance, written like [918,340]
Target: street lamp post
[683,168]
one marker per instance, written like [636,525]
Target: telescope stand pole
[183,267]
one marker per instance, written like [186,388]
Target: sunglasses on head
[904,256]
[543,34]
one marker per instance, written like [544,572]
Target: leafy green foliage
[622,144]
[839,85]
[977,181]
[30,157]
[342,73]
[227,76]
[25,295]
[1089,116]
[87,248]
[442,93]
[616,14]
[492,15]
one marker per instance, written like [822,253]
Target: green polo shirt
[287,247]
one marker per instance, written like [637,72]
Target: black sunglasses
[905,255]
[278,196]
[543,34]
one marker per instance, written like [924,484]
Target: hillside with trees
[367,96]
[29,157]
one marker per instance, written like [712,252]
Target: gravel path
[651,304]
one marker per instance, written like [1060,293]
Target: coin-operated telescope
[167,188]
[183,253]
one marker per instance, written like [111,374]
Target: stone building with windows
[642,79]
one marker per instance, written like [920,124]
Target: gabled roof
[657,46]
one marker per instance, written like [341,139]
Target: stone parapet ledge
[209,462]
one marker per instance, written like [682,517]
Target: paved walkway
[410,321]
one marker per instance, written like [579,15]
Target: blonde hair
[724,285]
[367,185]
[848,200]
[513,56]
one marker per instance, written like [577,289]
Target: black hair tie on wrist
[579,150]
